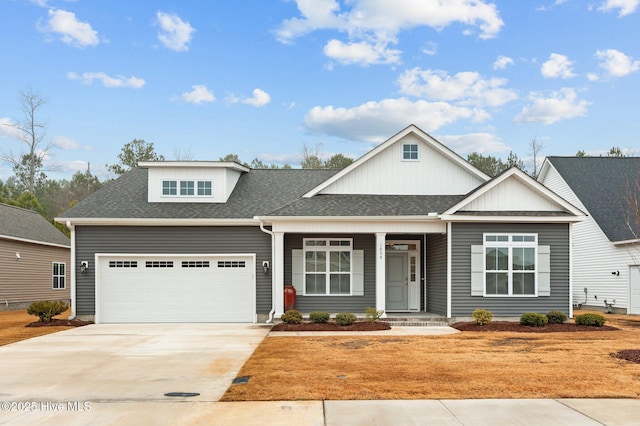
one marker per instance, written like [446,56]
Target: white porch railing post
[381,272]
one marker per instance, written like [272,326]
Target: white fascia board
[626,242]
[25,240]
[543,219]
[195,164]
[544,169]
[389,142]
[421,218]
[159,222]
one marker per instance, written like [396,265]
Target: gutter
[72,274]
[273,281]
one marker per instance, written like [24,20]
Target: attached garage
[175,288]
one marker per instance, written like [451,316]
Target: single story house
[606,246]
[409,227]
[34,256]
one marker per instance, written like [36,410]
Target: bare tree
[536,148]
[28,164]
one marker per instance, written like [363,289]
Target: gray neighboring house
[606,266]
[409,227]
[34,256]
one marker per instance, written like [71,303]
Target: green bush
[481,316]
[291,317]
[533,319]
[594,320]
[319,317]
[556,317]
[345,318]
[371,314]
[45,310]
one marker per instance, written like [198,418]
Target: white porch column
[278,273]
[381,272]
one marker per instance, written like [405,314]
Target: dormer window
[410,151]
[188,188]
[204,187]
[169,187]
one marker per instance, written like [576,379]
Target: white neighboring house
[606,247]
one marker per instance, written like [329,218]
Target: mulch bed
[632,355]
[567,327]
[332,326]
[60,323]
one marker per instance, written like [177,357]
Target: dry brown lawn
[464,365]
[12,326]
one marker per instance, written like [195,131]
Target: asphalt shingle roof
[257,192]
[26,224]
[602,184]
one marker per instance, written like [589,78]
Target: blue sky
[264,78]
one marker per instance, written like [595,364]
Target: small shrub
[481,316]
[45,310]
[291,317]
[371,314]
[533,319]
[594,320]
[345,318]
[319,317]
[556,317]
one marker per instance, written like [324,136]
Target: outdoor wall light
[84,265]
[616,273]
[265,266]
[17,256]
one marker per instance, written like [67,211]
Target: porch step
[416,321]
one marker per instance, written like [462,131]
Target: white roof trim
[417,218]
[625,242]
[25,240]
[545,219]
[375,151]
[158,221]
[525,179]
[195,164]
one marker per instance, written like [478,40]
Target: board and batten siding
[29,279]
[335,304]
[594,256]
[436,274]
[172,240]
[464,235]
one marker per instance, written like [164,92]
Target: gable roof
[602,184]
[257,192]
[549,203]
[411,129]
[20,224]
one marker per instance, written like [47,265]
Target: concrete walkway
[118,375]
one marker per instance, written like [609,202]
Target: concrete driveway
[110,372]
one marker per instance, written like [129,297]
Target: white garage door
[175,288]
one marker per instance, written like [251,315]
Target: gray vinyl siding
[464,235]
[436,274]
[334,304]
[179,240]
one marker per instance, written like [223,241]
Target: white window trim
[63,276]
[510,245]
[327,249]
[417,152]
[178,182]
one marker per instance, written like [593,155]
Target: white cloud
[70,29]
[8,130]
[468,88]
[377,23]
[561,105]
[473,142]
[375,121]
[627,7]
[259,98]
[557,66]
[616,63]
[592,76]
[107,81]
[175,33]
[430,48]
[362,53]
[198,95]
[65,143]
[502,62]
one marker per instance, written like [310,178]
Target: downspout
[273,281]
[72,275]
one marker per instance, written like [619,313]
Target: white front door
[397,282]
[634,290]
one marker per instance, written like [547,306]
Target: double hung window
[327,266]
[510,264]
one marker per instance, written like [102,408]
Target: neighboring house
[606,246]
[409,227]
[34,257]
